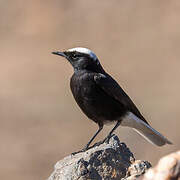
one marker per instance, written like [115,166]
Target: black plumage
[102,99]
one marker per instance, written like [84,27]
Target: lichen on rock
[112,160]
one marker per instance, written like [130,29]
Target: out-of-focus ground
[137,42]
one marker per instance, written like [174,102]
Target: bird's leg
[98,131]
[87,146]
[110,133]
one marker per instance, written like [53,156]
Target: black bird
[102,99]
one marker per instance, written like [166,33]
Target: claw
[87,148]
[106,140]
[74,153]
[82,150]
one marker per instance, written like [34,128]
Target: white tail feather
[144,129]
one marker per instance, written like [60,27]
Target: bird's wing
[112,88]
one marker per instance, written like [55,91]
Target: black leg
[87,146]
[110,133]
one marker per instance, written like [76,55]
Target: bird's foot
[106,140]
[74,153]
[97,144]
[87,148]
[82,150]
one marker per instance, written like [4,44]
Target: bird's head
[81,59]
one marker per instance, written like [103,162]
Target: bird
[102,99]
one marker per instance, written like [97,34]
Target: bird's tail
[144,129]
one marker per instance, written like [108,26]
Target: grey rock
[112,160]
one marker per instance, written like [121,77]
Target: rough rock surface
[168,168]
[112,160]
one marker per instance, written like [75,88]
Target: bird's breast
[93,101]
[84,88]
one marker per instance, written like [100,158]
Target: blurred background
[137,42]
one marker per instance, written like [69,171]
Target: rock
[137,169]
[112,160]
[168,168]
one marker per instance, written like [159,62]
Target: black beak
[59,53]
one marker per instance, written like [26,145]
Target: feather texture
[144,130]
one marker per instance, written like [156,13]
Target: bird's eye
[74,55]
